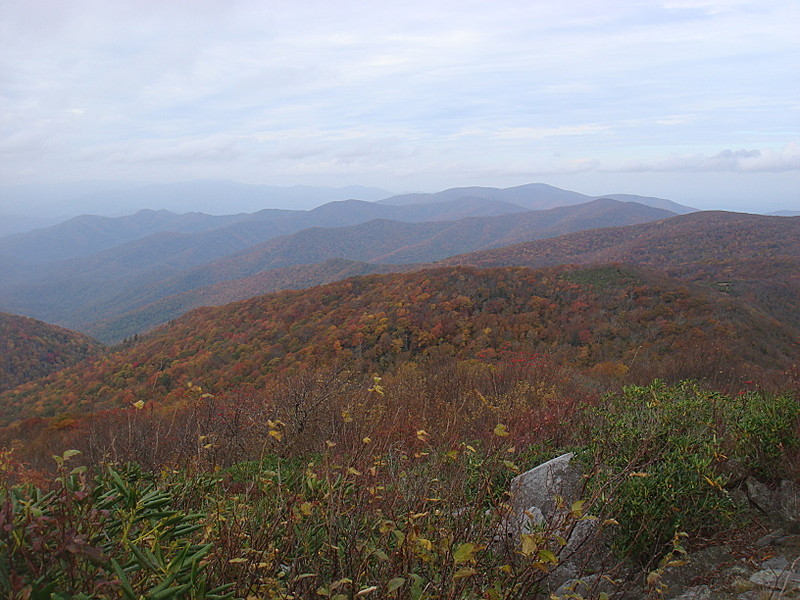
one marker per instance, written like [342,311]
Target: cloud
[734,161]
[214,148]
[373,91]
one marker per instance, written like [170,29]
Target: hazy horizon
[689,100]
[54,202]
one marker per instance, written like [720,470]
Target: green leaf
[123,581]
[465,553]
[395,583]
[69,454]
[547,556]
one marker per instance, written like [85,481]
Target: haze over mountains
[94,269]
[212,196]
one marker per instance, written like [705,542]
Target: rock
[770,538]
[777,573]
[541,498]
[762,497]
[697,564]
[698,592]
[789,498]
[734,472]
[590,586]
[788,541]
[541,485]
[777,580]
[776,563]
[740,499]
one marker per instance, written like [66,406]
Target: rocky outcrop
[781,504]
[543,499]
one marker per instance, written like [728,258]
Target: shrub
[114,537]
[661,448]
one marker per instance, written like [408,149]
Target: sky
[697,101]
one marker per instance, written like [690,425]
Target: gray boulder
[541,498]
[789,498]
[543,485]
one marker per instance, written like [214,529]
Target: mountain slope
[753,256]
[579,316]
[138,320]
[30,349]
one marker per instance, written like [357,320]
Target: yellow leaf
[330,444]
[138,405]
[529,544]
[501,430]
[423,435]
[464,572]
[366,440]
[353,471]
[425,543]
[276,434]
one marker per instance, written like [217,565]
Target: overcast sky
[694,100]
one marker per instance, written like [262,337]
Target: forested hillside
[601,318]
[30,349]
[753,257]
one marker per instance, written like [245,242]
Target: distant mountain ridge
[532,196]
[122,279]
[210,196]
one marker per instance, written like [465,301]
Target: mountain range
[602,288]
[88,272]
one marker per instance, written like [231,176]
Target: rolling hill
[752,256]
[30,349]
[582,317]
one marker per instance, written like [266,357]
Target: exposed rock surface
[542,499]
[762,563]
